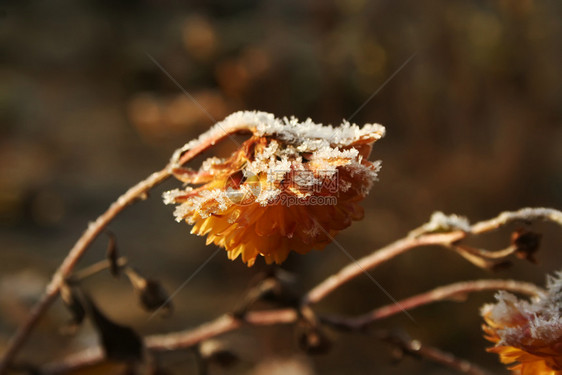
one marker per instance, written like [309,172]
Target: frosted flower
[291,186]
[527,334]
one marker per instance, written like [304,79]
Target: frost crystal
[439,222]
[306,136]
[521,322]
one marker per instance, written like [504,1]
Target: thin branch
[417,349]
[446,236]
[180,340]
[223,324]
[451,291]
[95,268]
[378,257]
[449,360]
[525,214]
[487,254]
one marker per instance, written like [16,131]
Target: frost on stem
[439,222]
[528,333]
[272,194]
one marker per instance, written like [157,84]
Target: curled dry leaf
[120,343]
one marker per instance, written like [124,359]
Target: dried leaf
[119,342]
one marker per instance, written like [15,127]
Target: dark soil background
[473,127]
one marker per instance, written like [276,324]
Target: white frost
[542,315]
[305,153]
[307,135]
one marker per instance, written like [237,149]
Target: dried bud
[151,293]
[527,243]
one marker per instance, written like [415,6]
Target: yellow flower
[290,186]
[527,335]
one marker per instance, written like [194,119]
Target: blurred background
[473,127]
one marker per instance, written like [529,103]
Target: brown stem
[208,139]
[416,348]
[524,214]
[454,290]
[181,339]
[448,360]
[382,255]
[95,268]
[487,254]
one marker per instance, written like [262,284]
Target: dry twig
[227,323]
